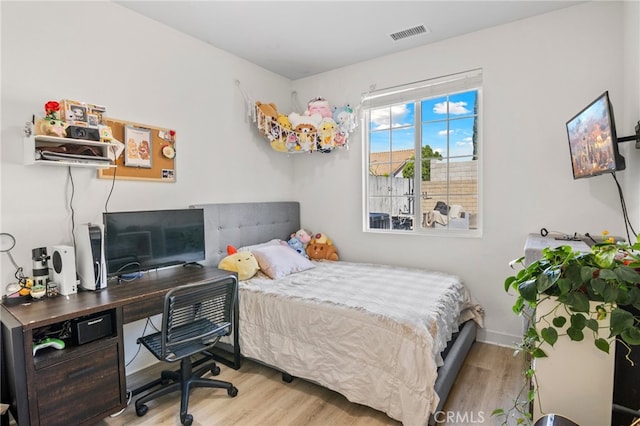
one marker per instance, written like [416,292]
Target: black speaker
[92,327]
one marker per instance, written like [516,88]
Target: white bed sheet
[371,332]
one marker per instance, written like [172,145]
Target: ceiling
[297,39]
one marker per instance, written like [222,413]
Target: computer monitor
[143,240]
[593,142]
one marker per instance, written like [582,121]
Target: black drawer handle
[82,372]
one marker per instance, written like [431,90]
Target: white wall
[538,73]
[142,72]
[628,112]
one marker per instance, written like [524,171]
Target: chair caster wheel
[141,410]
[232,391]
[215,370]
[188,419]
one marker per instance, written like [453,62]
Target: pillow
[455,210]
[274,242]
[279,261]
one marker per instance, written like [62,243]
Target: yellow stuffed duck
[243,263]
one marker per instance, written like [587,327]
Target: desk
[82,384]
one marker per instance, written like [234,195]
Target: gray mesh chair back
[194,319]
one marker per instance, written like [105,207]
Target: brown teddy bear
[267,113]
[318,250]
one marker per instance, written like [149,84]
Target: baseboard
[497,338]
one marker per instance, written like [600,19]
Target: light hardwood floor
[490,378]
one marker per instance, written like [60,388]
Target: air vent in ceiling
[409,32]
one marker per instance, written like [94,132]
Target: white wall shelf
[35,144]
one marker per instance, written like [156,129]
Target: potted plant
[593,295]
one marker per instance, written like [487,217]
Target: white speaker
[62,263]
[90,262]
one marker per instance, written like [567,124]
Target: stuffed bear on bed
[320,247]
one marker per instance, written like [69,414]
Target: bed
[392,338]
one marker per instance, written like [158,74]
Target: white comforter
[373,333]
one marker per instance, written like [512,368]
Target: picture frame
[137,150]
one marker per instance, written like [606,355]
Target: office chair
[195,316]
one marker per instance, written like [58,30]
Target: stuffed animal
[305,127]
[267,113]
[319,251]
[345,119]
[280,133]
[327,133]
[295,243]
[284,122]
[303,236]
[51,127]
[242,262]
[318,106]
[320,238]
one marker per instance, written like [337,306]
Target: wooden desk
[82,384]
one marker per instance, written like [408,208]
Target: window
[432,127]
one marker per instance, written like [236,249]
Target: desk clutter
[52,275]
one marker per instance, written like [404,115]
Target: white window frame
[416,92]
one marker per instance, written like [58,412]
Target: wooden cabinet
[83,387]
[79,384]
[36,152]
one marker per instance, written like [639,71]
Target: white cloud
[382,119]
[444,132]
[465,142]
[455,108]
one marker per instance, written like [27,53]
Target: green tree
[427,153]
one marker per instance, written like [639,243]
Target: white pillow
[454,212]
[274,242]
[278,261]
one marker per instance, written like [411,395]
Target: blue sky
[396,124]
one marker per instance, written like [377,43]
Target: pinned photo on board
[137,152]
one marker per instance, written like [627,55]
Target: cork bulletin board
[148,152]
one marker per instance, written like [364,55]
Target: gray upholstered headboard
[242,224]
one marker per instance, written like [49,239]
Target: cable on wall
[625,215]
[7,243]
[113,183]
[73,213]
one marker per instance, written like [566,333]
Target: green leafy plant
[608,275]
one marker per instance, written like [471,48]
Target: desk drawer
[142,309]
[76,390]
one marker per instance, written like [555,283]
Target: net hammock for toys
[308,132]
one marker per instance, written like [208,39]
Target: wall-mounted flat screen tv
[593,143]
[143,240]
